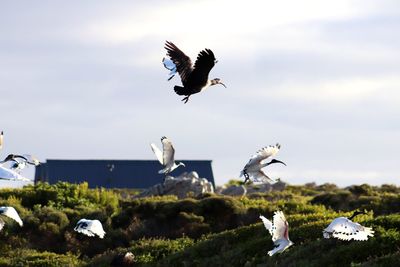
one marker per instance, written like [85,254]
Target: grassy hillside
[208,231]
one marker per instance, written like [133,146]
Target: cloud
[85,80]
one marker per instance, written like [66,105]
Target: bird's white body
[344,229]
[90,227]
[166,157]
[11,213]
[279,230]
[7,174]
[254,167]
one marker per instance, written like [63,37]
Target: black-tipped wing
[204,63]
[184,65]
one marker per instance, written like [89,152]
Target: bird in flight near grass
[344,229]
[279,230]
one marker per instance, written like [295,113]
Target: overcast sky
[84,80]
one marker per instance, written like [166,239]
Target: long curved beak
[277,161]
[223,84]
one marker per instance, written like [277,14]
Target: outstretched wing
[267,224]
[344,229]
[263,154]
[10,212]
[8,174]
[183,64]
[168,151]
[261,177]
[204,63]
[280,226]
[158,153]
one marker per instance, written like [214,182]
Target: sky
[84,80]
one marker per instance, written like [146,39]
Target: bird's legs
[246,176]
[186,99]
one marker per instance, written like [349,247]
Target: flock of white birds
[194,79]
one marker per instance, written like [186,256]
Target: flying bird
[10,212]
[279,230]
[166,157]
[1,139]
[90,227]
[253,171]
[344,229]
[194,77]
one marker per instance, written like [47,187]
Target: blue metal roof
[115,173]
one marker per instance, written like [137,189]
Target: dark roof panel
[115,173]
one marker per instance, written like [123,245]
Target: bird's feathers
[183,63]
[280,226]
[11,213]
[158,153]
[263,154]
[344,229]
[261,177]
[8,174]
[90,227]
[168,151]
[204,63]
[267,224]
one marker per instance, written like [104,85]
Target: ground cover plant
[211,230]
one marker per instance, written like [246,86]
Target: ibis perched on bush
[344,229]
[166,157]
[194,77]
[279,230]
[90,228]
[10,212]
[252,170]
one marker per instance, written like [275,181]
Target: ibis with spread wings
[194,77]
[279,230]
[166,157]
[253,169]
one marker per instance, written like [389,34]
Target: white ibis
[90,228]
[253,171]
[1,139]
[344,229]
[194,77]
[10,212]
[166,157]
[279,230]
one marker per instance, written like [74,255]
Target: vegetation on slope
[208,231]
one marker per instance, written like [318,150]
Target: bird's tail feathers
[179,90]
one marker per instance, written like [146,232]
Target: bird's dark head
[276,161]
[217,81]
[357,212]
